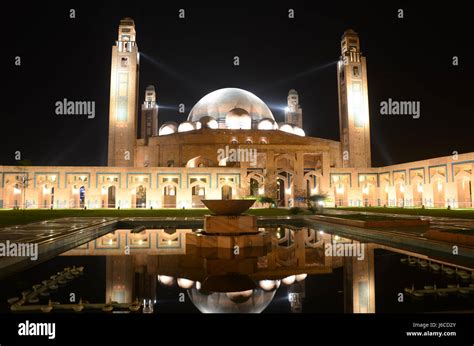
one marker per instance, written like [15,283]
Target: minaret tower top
[126,35]
[350,46]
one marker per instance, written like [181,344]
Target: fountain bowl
[228,207]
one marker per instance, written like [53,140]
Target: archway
[14,196]
[46,197]
[198,194]
[464,189]
[341,194]
[111,191]
[438,194]
[313,183]
[400,193]
[254,187]
[281,193]
[417,192]
[169,196]
[226,192]
[200,161]
[369,195]
[78,197]
[140,197]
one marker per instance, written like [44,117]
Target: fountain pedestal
[238,224]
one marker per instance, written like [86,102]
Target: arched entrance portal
[226,191]
[281,193]
[78,197]
[111,197]
[169,196]
[46,198]
[199,193]
[464,189]
[140,197]
[254,187]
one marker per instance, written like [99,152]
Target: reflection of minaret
[354,124]
[145,277]
[123,96]
[296,295]
[120,278]
[293,112]
[359,285]
[149,120]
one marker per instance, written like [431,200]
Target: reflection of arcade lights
[386,189]
[166,280]
[289,280]
[45,190]
[440,186]
[16,191]
[269,285]
[185,283]
[104,190]
[402,188]
[301,277]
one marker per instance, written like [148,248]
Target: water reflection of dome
[249,301]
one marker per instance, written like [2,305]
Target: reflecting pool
[282,269]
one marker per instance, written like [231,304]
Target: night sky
[408,59]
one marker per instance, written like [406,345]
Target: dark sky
[408,59]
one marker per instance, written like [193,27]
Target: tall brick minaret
[354,122]
[123,110]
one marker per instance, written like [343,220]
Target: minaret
[123,110]
[293,112]
[354,122]
[149,120]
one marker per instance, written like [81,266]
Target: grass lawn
[10,217]
[457,213]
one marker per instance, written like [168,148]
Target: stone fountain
[228,217]
[228,230]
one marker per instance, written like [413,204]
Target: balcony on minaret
[126,35]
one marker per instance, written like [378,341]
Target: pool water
[291,271]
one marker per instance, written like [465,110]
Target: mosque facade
[232,147]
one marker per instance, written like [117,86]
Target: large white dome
[223,102]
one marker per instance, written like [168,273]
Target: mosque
[231,147]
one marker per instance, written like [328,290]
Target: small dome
[295,130]
[267,124]
[168,128]
[286,128]
[186,126]
[298,131]
[208,122]
[238,118]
